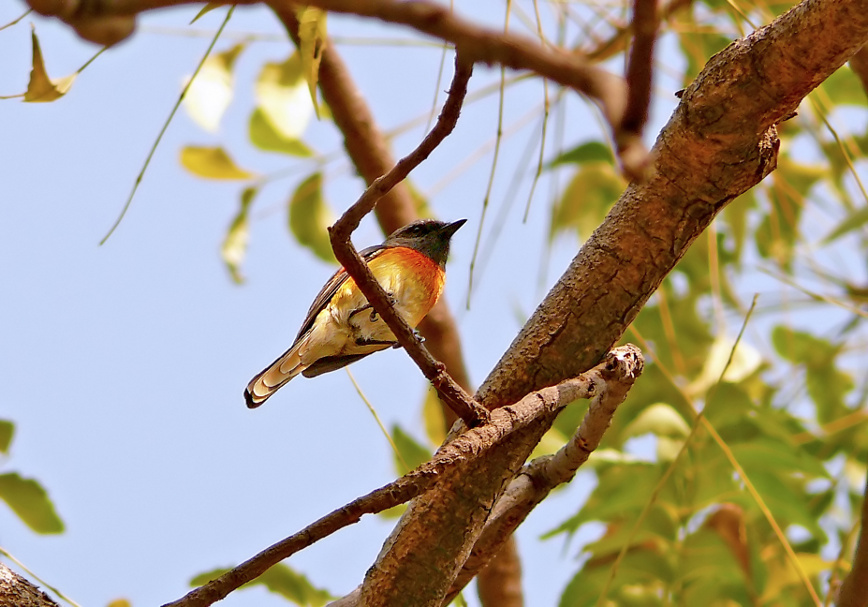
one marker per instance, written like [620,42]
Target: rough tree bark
[720,142]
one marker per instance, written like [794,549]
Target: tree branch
[639,78]
[369,152]
[618,41]
[20,592]
[720,142]
[474,43]
[607,384]
[450,392]
[532,485]
[367,148]
[470,448]
[854,588]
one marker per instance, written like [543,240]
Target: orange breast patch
[414,273]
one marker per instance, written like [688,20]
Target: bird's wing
[334,283]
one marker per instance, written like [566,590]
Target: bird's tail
[275,375]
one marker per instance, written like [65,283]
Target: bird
[341,327]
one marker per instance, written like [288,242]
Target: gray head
[428,236]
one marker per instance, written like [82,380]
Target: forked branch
[466,449]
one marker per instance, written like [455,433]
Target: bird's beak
[451,228]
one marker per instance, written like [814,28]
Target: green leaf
[844,88]
[234,246]
[7,431]
[786,459]
[206,9]
[777,234]
[827,385]
[709,568]
[698,43]
[410,454]
[803,348]
[211,92]
[591,193]
[30,502]
[850,223]
[744,361]
[267,138]
[660,419]
[312,39]
[41,88]
[622,492]
[735,215]
[281,580]
[212,163]
[281,92]
[310,217]
[591,151]
[786,503]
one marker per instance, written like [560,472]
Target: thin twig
[14,21]
[451,393]
[166,124]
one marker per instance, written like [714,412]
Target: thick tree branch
[536,480]
[720,142]
[619,368]
[854,588]
[18,591]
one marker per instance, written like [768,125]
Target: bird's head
[428,236]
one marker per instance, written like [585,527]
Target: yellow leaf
[210,93]
[264,136]
[745,360]
[432,411]
[282,94]
[234,247]
[41,88]
[312,39]
[211,163]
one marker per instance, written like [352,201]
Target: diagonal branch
[720,141]
[450,392]
[470,448]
